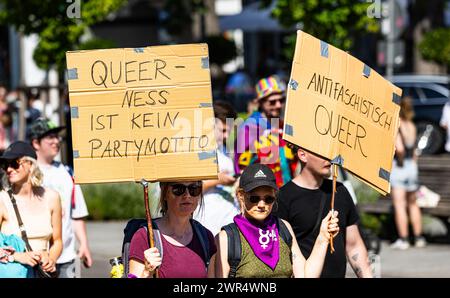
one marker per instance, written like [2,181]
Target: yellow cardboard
[338,106]
[142,113]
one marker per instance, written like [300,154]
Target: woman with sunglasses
[39,209]
[183,248]
[264,253]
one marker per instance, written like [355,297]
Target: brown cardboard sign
[341,109]
[142,113]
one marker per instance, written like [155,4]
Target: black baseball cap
[18,149]
[256,175]
[42,127]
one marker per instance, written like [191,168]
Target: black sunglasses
[273,102]
[267,198]
[14,163]
[180,189]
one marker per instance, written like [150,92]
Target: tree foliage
[178,14]
[334,21]
[435,46]
[50,19]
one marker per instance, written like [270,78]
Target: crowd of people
[269,210]
[267,215]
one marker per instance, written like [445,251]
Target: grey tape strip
[289,130]
[384,174]
[323,49]
[139,50]
[293,84]
[338,160]
[205,62]
[76,154]
[205,105]
[74,112]
[206,154]
[72,74]
[366,71]
[396,98]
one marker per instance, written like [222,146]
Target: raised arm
[328,227]
[298,261]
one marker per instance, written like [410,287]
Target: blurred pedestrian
[405,181]
[445,123]
[34,106]
[5,119]
[220,206]
[260,137]
[44,137]
[306,199]
[186,252]
[28,203]
[264,252]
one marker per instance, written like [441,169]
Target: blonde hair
[406,108]
[36,175]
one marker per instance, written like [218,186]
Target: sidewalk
[105,239]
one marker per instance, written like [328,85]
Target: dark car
[429,93]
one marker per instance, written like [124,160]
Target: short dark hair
[224,110]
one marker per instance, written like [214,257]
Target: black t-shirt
[300,207]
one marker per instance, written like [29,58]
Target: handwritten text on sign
[133,104]
[338,108]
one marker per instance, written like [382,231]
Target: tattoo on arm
[355,257]
[294,256]
[357,271]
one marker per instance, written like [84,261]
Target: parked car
[429,93]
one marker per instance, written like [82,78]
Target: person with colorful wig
[259,138]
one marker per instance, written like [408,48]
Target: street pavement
[105,240]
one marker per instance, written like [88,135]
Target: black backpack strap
[131,228]
[234,248]
[202,234]
[284,232]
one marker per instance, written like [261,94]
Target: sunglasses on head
[267,198]
[180,189]
[15,164]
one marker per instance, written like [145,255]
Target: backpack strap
[202,234]
[234,248]
[284,232]
[131,228]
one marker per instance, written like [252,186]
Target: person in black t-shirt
[301,200]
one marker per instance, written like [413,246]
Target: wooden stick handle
[335,175]
[148,217]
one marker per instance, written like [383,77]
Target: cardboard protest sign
[142,113]
[341,109]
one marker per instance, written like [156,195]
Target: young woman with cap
[38,208]
[186,244]
[263,252]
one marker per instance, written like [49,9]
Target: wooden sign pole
[148,217]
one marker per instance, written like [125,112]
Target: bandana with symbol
[263,238]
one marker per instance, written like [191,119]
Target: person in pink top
[184,248]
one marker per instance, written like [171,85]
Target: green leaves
[435,46]
[50,19]
[334,21]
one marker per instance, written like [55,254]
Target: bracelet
[131,275]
